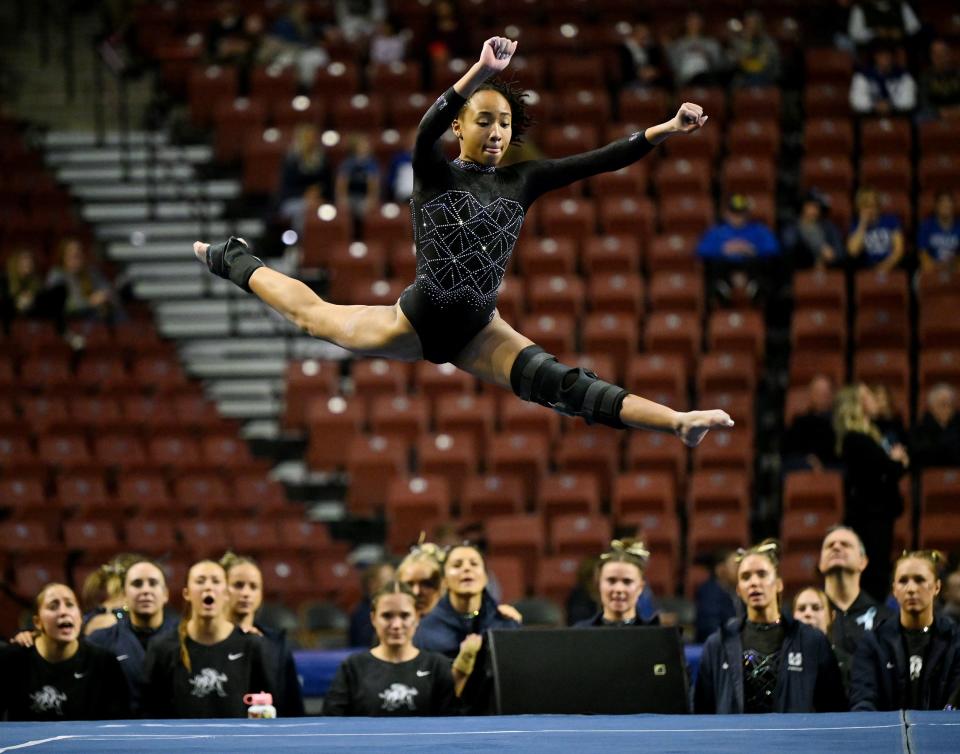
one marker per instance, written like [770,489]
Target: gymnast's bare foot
[694,425]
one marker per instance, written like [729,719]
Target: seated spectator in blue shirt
[716,598]
[813,240]
[939,238]
[883,88]
[737,251]
[876,238]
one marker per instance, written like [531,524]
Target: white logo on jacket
[398,696]
[795,661]
[48,698]
[916,666]
[208,681]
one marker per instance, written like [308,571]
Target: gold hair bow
[430,549]
[636,548]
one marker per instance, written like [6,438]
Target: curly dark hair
[515,96]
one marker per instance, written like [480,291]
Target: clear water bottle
[261,706]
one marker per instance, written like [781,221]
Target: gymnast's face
[484,127]
[620,587]
[809,608]
[245,585]
[58,614]
[394,618]
[206,589]
[145,591]
[424,581]
[464,571]
[757,583]
[915,586]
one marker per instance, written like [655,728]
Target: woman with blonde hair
[60,677]
[912,662]
[422,572]
[620,581]
[766,661]
[812,606]
[872,470]
[245,589]
[205,668]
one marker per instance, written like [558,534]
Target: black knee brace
[538,377]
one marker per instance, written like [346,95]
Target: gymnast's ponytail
[182,633]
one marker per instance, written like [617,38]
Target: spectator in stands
[234,39]
[23,287]
[754,55]
[872,472]
[884,87]
[448,38]
[951,596]
[361,629]
[813,240]
[696,59]
[912,662]
[358,180]
[936,438]
[876,238]
[245,596]
[398,186]
[102,595]
[455,626]
[395,678]
[61,676]
[641,58]
[422,573]
[938,239]
[306,178]
[812,606]
[389,44]
[357,19]
[888,20]
[619,583]
[940,83]
[738,252]
[843,559]
[756,646]
[716,598]
[295,40]
[146,596]
[204,670]
[810,443]
[88,294]
[888,418]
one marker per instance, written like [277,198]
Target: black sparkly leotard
[466,221]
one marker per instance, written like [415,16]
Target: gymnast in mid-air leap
[467,215]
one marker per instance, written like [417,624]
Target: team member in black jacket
[843,559]
[60,677]
[245,587]
[912,662]
[620,582]
[394,678]
[204,669]
[144,620]
[766,662]
[467,215]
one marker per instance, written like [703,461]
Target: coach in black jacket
[912,662]
[766,661]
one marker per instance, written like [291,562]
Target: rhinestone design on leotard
[464,247]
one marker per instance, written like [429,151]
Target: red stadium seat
[885,136]
[648,451]
[547,256]
[659,531]
[556,294]
[758,139]
[86,493]
[120,451]
[96,412]
[332,423]
[827,100]
[937,283]
[22,493]
[42,372]
[175,451]
[94,540]
[651,374]
[887,172]
[628,181]
[799,570]
[828,137]
[372,462]
[939,172]
[710,531]
[412,504]
[882,328]
[208,86]
[159,373]
[712,490]
[154,537]
[403,417]
[64,451]
[204,539]
[805,366]
[590,450]
[674,333]
[467,413]
[828,65]
[940,531]
[235,120]
[580,536]
[561,494]
[305,537]
[727,450]
[643,492]
[676,292]
[674,251]
[306,380]
[207,493]
[41,413]
[510,576]
[826,173]
[436,380]
[727,372]
[616,293]
[643,105]
[813,491]
[805,529]
[226,452]
[491,495]
[749,175]
[522,454]
[938,327]
[613,334]
[940,490]
[253,536]
[450,456]
[336,580]
[556,577]
[567,217]
[528,418]
[682,177]
[146,491]
[878,288]
[394,78]
[553,333]
[287,579]
[888,368]
[939,366]
[611,255]
[626,216]
[573,138]
[521,536]
[31,576]
[818,330]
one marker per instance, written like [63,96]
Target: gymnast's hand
[689,118]
[497,53]
[692,426]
